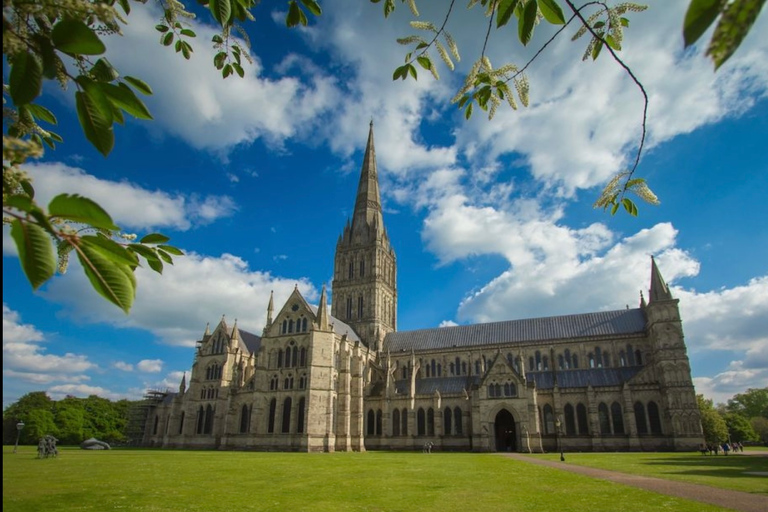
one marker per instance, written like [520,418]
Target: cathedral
[320,380]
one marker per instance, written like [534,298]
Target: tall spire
[659,289]
[323,321]
[183,385]
[270,308]
[367,216]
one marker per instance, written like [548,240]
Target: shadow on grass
[716,466]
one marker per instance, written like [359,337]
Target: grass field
[145,480]
[725,472]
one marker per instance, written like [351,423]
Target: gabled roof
[251,341]
[606,323]
[597,377]
[339,327]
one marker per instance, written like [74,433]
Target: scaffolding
[138,414]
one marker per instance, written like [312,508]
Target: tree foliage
[753,403]
[72,420]
[740,429]
[713,424]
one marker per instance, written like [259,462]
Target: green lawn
[209,481]
[726,472]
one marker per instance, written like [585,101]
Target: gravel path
[736,500]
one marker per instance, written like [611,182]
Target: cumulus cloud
[126,367]
[130,205]
[150,365]
[192,292]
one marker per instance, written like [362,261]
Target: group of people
[715,448]
[46,447]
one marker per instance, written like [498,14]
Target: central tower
[365,269]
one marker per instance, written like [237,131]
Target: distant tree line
[71,420]
[744,419]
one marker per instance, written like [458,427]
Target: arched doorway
[506,436]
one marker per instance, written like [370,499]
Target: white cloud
[61,391]
[23,354]
[126,367]
[130,205]
[176,306]
[150,365]
[447,323]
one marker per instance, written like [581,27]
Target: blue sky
[491,220]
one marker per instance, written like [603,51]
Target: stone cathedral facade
[346,379]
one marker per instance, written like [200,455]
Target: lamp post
[19,426]
[558,426]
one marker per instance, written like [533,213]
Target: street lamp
[19,426]
[558,425]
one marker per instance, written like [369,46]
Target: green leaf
[412,71]
[103,71]
[125,5]
[95,91]
[23,203]
[612,42]
[313,7]
[171,249]
[630,206]
[552,12]
[239,69]
[735,23]
[424,62]
[217,39]
[111,250]
[162,28]
[156,265]
[167,39]
[504,12]
[122,96]
[26,78]
[48,55]
[35,252]
[154,238]
[389,7]
[221,10]
[527,21]
[81,209]
[187,32]
[165,257]
[113,281]
[27,187]
[700,15]
[75,38]
[148,252]
[615,208]
[468,112]
[96,128]
[139,85]
[596,49]
[42,113]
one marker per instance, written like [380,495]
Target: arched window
[570,420]
[286,415]
[303,325]
[244,418]
[506,389]
[549,420]
[433,366]
[360,307]
[591,358]
[463,367]
[396,422]
[618,418]
[491,391]
[202,393]
[295,356]
[272,414]
[349,307]
[638,357]
[280,358]
[430,422]
[208,373]
[285,326]
[200,420]
[421,422]
[439,370]
[606,359]
[497,390]
[300,416]
[640,421]
[567,359]
[560,362]
[545,363]
[371,423]
[531,366]
[405,372]
[351,273]
[157,421]
[653,418]
[404,420]
[273,383]
[378,422]
[598,357]
[512,389]
[575,361]
[290,325]
[447,417]
[303,381]
[581,416]
[477,367]
[288,357]
[630,355]
[453,369]
[303,357]
[428,371]
[605,418]
[362,267]
[181,423]
[622,358]
[208,420]
[538,361]
[457,421]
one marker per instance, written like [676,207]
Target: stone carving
[94,444]
[46,447]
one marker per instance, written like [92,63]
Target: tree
[739,428]
[713,424]
[48,41]
[753,403]
[20,411]
[760,426]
